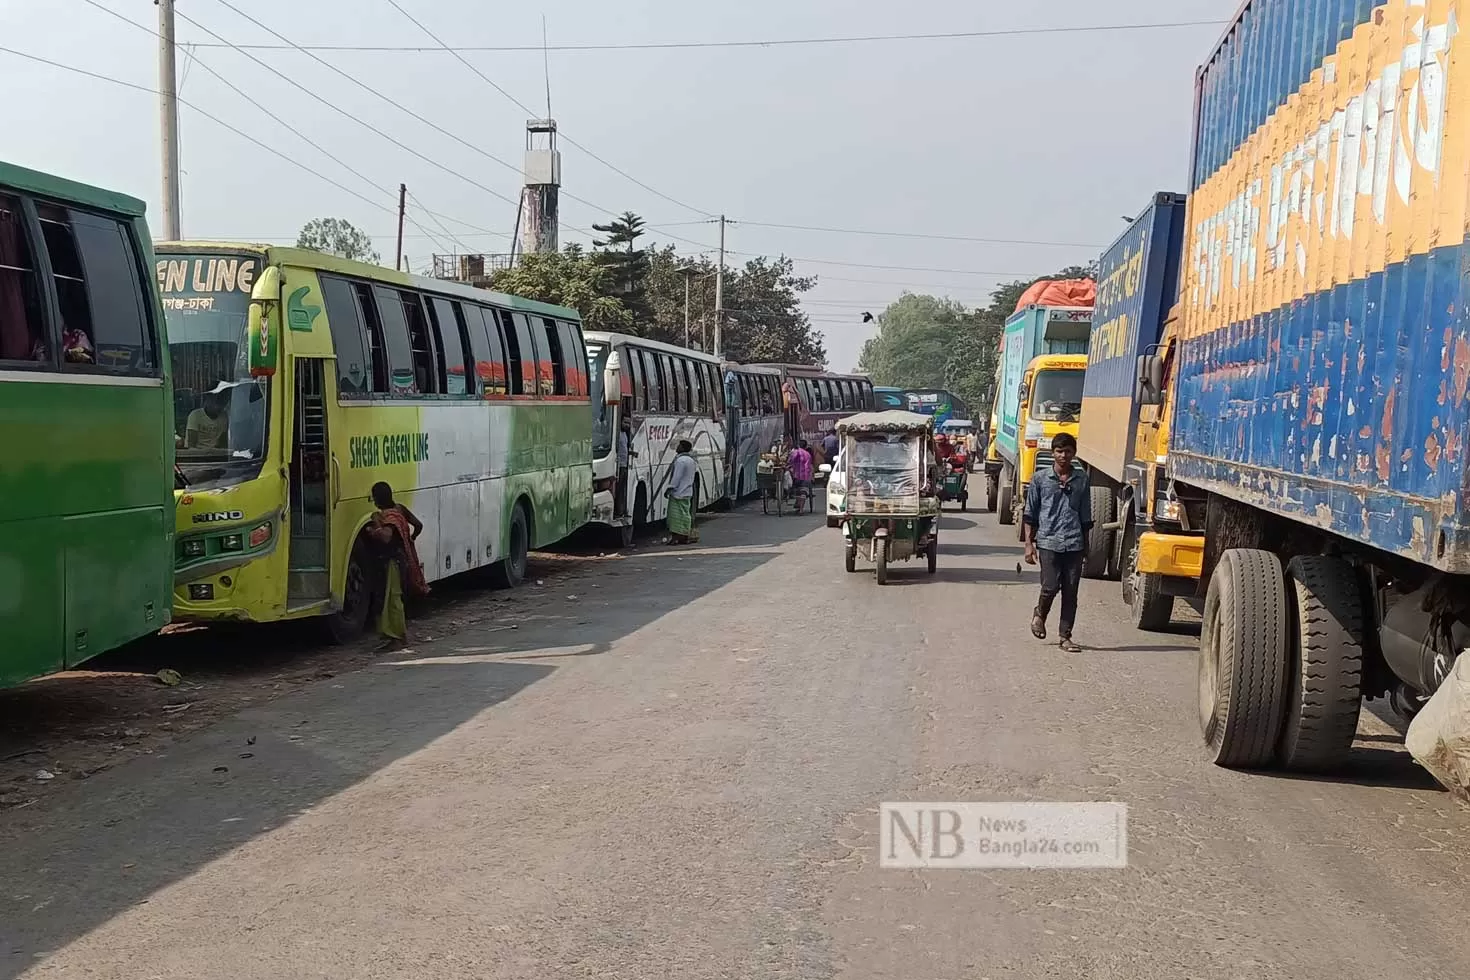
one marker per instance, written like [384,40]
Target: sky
[1018,138]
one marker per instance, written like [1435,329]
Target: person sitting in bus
[208,427]
[394,530]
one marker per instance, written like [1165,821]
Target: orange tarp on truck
[1059,292]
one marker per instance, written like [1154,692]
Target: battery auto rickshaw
[891,510]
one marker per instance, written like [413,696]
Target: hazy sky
[1043,137]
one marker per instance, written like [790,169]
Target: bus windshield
[602,434]
[1057,394]
[220,411]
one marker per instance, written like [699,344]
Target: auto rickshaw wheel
[849,558]
[881,556]
[934,554]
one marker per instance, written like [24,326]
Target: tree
[337,236]
[569,278]
[617,252]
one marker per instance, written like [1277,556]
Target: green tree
[569,278]
[337,236]
[627,264]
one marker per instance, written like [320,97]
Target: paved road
[676,775]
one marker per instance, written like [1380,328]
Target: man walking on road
[1057,521]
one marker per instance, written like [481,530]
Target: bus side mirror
[612,387]
[261,340]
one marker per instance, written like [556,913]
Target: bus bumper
[1171,555]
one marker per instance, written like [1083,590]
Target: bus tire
[510,571]
[349,622]
[1326,677]
[1004,512]
[1242,659]
[1097,563]
[625,536]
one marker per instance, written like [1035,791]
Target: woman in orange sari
[394,530]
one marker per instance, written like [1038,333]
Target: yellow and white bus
[668,393]
[301,379]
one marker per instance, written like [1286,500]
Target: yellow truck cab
[1051,403]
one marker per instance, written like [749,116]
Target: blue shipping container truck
[1319,403]
[1137,283]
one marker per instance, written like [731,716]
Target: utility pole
[168,104]
[398,252]
[720,291]
[688,278]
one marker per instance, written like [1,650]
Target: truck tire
[1004,512]
[1148,607]
[1098,561]
[1242,659]
[992,492]
[1326,679]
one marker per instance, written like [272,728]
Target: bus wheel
[625,536]
[348,623]
[511,570]
[1326,676]
[1242,659]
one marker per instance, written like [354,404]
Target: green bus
[86,421]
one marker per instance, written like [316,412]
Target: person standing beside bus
[394,530]
[829,447]
[680,519]
[799,465]
[625,453]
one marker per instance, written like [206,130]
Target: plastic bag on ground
[1439,735]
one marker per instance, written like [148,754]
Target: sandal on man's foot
[1068,646]
[1038,626]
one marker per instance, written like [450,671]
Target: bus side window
[23,334]
[426,362]
[576,366]
[555,354]
[449,340]
[522,346]
[344,320]
[681,384]
[655,381]
[696,386]
[377,345]
[866,389]
[634,364]
[716,390]
[746,394]
[402,378]
[515,370]
[487,348]
[848,401]
[95,269]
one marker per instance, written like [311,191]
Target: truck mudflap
[1439,735]
[1176,555]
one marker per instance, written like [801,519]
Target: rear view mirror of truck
[1150,379]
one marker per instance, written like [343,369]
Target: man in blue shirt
[1056,523]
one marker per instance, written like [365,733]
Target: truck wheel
[1143,592]
[1325,690]
[992,491]
[1099,558]
[881,558]
[1003,511]
[1242,659]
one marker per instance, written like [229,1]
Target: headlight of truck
[1168,509]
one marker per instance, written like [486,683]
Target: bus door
[308,581]
[732,436]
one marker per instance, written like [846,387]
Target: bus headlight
[193,548]
[232,542]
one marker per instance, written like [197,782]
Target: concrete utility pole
[168,104]
[688,278]
[720,292]
[402,202]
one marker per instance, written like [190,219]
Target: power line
[206,114]
[463,247]
[910,234]
[531,112]
[893,268]
[763,43]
